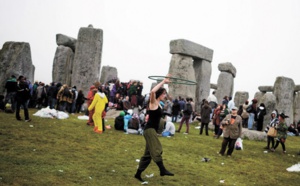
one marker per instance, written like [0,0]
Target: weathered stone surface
[66,41]
[189,48]
[248,134]
[182,67]
[297,88]
[270,102]
[284,92]
[240,97]
[213,86]
[265,89]
[225,86]
[227,67]
[254,135]
[87,60]
[15,59]
[203,73]
[258,96]
[62,65]
[297,107]
[108,73]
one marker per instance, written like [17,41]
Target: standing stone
[270,102]
[87,60]
[108,73]
[240,97]
[182,67]
[15,59]
[297,107]
[62,65]
[284,92]
[258,96]
[225,81]
[203,73]
[66,41]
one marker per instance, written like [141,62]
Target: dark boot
[163,170]
[138,175]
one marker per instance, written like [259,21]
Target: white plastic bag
[239,144]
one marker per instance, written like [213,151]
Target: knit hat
[122,113]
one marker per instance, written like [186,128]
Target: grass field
[67,152]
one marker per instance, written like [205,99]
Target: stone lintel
[189,48]
[297,88]
[227,67]
[266,89]
[213,86]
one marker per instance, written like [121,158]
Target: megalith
[297,107]
[108,73]
[190,61]
[182,67]
[265,89]
[62,65]
[225,80]
[284,93]
[15,59]
[240,97]
[66,41]
[87,59]
[258,96]
[269,100]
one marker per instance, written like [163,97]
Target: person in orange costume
[90,97]
[99,102]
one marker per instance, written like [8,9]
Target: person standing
[22,96]
[252,113]
[245,114]
[261,112]
[205,117]
[11,90]
[187,111]
[230,103]
[98,105]
[212,101]
[175,110]
[232,129]
[153,150]
[281,132]
[216,119]
[273,123]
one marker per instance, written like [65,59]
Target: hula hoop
[173,80]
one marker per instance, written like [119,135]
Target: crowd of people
[149,114]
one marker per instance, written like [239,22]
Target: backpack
[119,123]
[188,110]
[249,109]
[134,123]
[66,92]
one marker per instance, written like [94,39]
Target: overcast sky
[259,37]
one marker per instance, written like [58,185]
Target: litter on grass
[51,113]
[150,175]
[84,117]
[60,170]
[144,183]
[137,160]
[294,168]
[222,181]
[205,159]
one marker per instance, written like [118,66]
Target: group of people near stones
[153,111]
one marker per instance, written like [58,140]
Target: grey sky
[259,37]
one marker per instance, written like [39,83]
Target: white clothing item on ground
[51,113]
[294,168]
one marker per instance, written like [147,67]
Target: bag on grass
[272,132]
[239,144]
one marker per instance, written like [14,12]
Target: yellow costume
[99,102]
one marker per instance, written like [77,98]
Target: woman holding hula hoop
[153,149]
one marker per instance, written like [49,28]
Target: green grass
[67,152]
